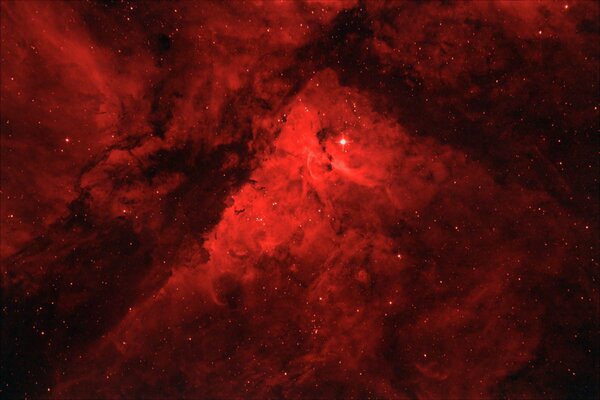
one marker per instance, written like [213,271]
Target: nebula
[300,199]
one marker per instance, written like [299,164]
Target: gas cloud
[300,199]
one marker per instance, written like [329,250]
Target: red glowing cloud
[299,200]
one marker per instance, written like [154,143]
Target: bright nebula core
[300,199]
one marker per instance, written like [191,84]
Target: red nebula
[307,199]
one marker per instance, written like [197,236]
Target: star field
[299,199]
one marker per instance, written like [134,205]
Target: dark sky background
[300,199]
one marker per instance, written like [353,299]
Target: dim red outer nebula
[300,200]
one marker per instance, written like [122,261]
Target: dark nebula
[300,199]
